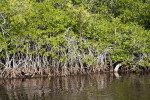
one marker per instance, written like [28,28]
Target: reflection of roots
[24,72]
[117,75]
[40,87]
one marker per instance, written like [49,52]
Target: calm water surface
[85,87]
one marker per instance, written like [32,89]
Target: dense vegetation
[73,36]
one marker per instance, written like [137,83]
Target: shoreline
[42,72]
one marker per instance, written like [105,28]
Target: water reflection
[85,87]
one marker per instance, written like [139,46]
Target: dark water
[85,87]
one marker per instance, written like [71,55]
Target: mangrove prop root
[31,72]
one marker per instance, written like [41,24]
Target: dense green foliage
[84,33]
